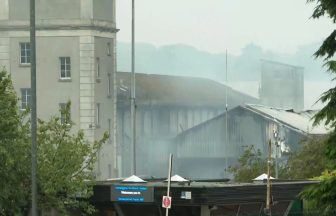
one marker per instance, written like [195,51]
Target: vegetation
[251,165]
[189,61]
[324,194]
[307,163]
[65,160]
[65,165]
[14,151]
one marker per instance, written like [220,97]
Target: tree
[309,161]
[14,151]
[250,165]
[65,160]
[323,195]
[65,165]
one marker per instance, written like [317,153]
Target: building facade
[282,85]
[165,106]
[75,62]
[213,149]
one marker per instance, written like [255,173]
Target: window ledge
[24,64]
[65,80]
[98,79]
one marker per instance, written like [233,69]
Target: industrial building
[208,149]
[165,107]
[75,62]
[282,85]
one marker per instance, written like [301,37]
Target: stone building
[75,62]
[282,85]
[166,106]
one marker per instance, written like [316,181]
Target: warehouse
[212,149]
[165,107]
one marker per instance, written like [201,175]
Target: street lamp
[133,114]
[33,107]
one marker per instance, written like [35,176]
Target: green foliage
[323,195]
[309,161]
[65,160]
[331,150]
[324,7]
[14,150]
[251,165]
[327,51]
[65,165]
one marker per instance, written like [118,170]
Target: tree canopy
[251,164]
[14,151]
[324,194]
[65,165]
[65,160]
[309,161]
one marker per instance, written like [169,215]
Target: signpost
[167,200]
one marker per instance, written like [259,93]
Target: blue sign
[132,194]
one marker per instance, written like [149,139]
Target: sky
[216,25]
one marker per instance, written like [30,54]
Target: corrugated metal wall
[208,141]
[157,126]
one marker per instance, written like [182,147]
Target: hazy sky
[214,25]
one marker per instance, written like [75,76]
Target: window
[25,53]
[65,115]
[108,84]
[108,49]
[65,67]
[98,114]
[98,67]
[109,130]
[25,98]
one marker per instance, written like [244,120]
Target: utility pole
[170,167]
[226,115]
[268,198]
[133,105]
[276,159]
[33,107]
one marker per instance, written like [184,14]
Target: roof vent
[134,179]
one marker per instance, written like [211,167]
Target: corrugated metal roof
[299,120]
[155,89]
